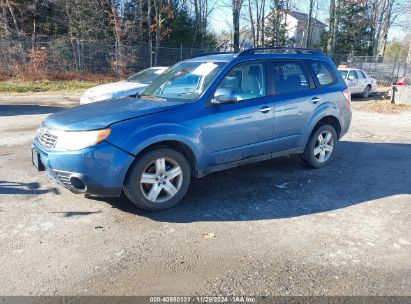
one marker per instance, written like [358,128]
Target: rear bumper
[345,122]
[99,170]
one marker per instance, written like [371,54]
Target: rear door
[294,101]
[362,80]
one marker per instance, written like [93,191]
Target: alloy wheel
[324,146]
[161,180]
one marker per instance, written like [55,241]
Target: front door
[243,129]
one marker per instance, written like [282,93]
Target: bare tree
[150,39]
[331,37]
[252,22]
[236,10]
[310,24]
[10,6]
[117,21]
[162,12]
[4,21]
[256,11]
[201,13]
[392,10]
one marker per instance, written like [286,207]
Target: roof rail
[210,53]
[280,50]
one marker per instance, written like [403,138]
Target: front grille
[46,138]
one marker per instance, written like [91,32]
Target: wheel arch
[178,146]
[328,114]
[329,120]
[174,144]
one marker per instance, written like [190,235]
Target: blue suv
[202,115]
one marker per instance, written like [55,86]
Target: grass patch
[45,86]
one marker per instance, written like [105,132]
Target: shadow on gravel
[76,213]
[285,187]
[7,187]
[12,110]
[374,96]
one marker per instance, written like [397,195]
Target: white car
[131,86]
[358,82]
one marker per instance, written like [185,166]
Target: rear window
[323,73]
[289,77]
[361,74]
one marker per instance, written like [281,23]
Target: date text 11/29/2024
[203,299]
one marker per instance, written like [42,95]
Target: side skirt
[247,161]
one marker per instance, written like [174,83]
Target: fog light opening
[78,184]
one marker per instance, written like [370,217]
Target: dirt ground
[273,228]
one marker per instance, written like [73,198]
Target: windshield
[145,76]
[185,81]
[344,73]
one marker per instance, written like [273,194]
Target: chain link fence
[28,60]
[86,57]
[385,71]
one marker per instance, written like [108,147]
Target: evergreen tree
[275,31]
[353,35]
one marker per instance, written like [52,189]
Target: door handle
[314,100]
[265,109]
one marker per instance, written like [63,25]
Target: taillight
[347,95]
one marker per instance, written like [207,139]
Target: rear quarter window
[323,73]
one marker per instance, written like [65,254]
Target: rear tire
[158,180]
[367,92]
[319,150]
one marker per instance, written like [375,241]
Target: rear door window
[323,73]
[289,77]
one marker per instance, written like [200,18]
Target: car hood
[120,86]
[102,114]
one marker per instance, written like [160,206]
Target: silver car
[131,86]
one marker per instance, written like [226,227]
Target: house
[297,29]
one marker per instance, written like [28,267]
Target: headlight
[79,140]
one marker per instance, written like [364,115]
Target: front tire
[320,147]
[158,180]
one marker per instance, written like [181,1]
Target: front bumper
[99,170]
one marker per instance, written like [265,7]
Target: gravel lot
[273,228]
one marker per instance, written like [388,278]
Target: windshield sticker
[204,69]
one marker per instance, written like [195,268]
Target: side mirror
[224,95]
[352,78]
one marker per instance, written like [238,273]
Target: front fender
[140,138]
[323,110]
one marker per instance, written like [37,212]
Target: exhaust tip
[78,184]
